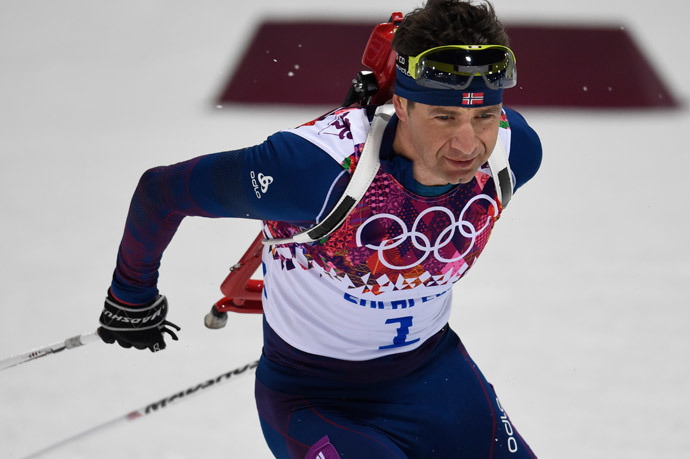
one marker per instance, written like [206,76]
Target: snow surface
[577,312]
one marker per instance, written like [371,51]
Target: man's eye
[443,117]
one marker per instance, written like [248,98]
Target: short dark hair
[449,22]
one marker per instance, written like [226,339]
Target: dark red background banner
[313,63]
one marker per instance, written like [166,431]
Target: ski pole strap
[367,167]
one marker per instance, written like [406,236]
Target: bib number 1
[400,340]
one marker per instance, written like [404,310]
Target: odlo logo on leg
[262,181]
[507,426]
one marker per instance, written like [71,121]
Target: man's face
[446,144]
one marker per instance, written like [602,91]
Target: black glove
[139,326]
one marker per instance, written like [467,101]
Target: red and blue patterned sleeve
[275,180]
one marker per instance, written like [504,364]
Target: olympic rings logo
[421,241]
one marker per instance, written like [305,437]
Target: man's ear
[400,105]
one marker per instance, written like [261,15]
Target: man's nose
[464,139]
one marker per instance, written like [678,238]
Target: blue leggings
[444,408]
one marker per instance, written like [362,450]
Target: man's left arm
[525,148]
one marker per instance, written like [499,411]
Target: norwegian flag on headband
[472,98]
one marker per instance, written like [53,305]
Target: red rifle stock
[242,294]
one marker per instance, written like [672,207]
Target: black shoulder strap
[500,171]
[367,167]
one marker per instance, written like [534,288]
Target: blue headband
[476,95]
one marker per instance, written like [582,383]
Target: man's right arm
[285,178]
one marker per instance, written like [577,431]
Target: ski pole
[153,407]
[69,343]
